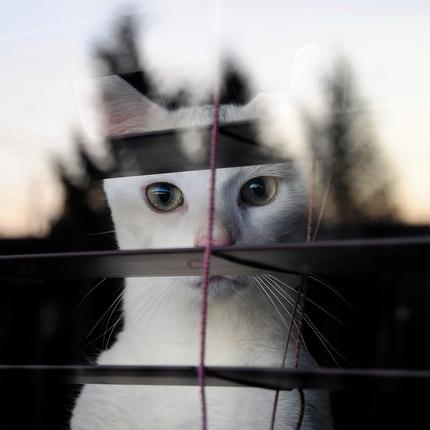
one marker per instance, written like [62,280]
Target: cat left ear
[127,111]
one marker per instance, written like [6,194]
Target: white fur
[162,315]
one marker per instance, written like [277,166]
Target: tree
[346,149]
[85,212]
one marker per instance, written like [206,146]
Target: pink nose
[218,239]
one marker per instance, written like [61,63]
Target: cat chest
[221,349]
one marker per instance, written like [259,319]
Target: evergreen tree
[348,156]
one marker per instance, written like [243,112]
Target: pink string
[304,286]
[302,295]
[207,261]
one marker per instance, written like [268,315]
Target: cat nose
[223,238]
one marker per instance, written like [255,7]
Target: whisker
[273,303]
[121,317]
[140,306]
[88,293]
[112,327]
[107,323]
[283,293]
[313,326]
[104,333]
[131,306]
[277,298]
[294,322]
[327,345]
[118,299]
[269,275]
[334,291]
[319,335]
[153,304]
[100,233]
[272,280]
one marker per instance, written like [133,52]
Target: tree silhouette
[348,156]
[85,211]
[122,58]
[342,141]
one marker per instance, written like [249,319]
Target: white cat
[247,315]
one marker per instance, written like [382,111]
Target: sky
[48,79]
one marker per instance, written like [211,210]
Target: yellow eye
[164,197]
[259,191]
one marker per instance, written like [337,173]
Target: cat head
[254,205]
[140,224]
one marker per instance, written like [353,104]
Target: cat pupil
[258,188]
[164,194]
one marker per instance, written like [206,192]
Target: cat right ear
[127,111]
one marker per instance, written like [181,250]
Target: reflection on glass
[92,91]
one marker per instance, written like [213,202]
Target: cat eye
[259,191]
[164,197]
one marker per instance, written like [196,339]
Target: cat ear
[127,111]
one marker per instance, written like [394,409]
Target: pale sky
[47,70]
